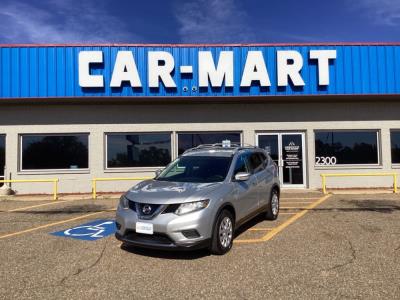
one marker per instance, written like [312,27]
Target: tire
[222,237]
[273,205]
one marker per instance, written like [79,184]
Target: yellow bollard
[394,175]
[324,184]
[55,189]
[53,180]
[94,182]
[94,196]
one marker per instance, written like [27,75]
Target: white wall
[248,116]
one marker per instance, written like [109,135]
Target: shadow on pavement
[251,223]
[184,255]
[380,206]
[89,208]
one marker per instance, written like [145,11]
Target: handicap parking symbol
[89,231]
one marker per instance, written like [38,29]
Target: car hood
[165,192]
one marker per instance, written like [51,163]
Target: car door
[265,176]
[245,192]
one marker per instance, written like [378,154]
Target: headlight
[189,207]
[123,202]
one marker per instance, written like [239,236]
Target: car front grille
[132,205]
[146,210]
[171,208]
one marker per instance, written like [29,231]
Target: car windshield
[199,169]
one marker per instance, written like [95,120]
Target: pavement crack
[349,261]
[80,270]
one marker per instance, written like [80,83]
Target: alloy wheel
[225,232]
[275,204]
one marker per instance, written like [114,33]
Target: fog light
[190,234]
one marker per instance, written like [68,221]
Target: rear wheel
[222,237]
[273,205]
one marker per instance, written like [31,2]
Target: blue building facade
[52,71]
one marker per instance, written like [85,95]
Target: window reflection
[2,154]
[55,152]
[395,146]
[138,150]
[190,140]
[347,147]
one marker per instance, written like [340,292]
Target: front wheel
[222,237]
[273,206]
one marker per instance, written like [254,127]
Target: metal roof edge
[202,45]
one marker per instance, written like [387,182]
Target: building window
[131,150]
[2,155]
[190,140]
[54,152]
[358,147]
[395,146]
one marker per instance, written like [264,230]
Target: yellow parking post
[94,182]
[94,189]
[323,176]
[55,189]
[53,180]
[324,184]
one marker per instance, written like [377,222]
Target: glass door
[287,151]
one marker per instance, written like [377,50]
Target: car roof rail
[232,146]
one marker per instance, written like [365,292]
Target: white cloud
[60,21]
[212,21]
[382,12]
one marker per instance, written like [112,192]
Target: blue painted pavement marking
[91,231]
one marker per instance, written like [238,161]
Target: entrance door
[287,151]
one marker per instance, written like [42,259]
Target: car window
[263,156]
[241,164]
[264,159]
[256,163]
[198,169]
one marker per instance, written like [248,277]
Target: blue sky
[198,21]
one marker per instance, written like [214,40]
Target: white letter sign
[289,64]
[323,57]
[255,70]
[163,72]
[85,78]
[207,69]
[125,70]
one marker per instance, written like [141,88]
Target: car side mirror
[158,172]
[242,176]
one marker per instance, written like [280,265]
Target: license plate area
[145,228]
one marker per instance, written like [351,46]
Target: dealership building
[77,112]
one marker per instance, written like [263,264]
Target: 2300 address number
[325,160]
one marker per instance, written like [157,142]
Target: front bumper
[158,241]
[168,229]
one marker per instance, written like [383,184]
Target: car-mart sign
[161,66]
[52,71]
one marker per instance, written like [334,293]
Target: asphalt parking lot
[341,246]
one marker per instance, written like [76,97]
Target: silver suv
[199,199]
